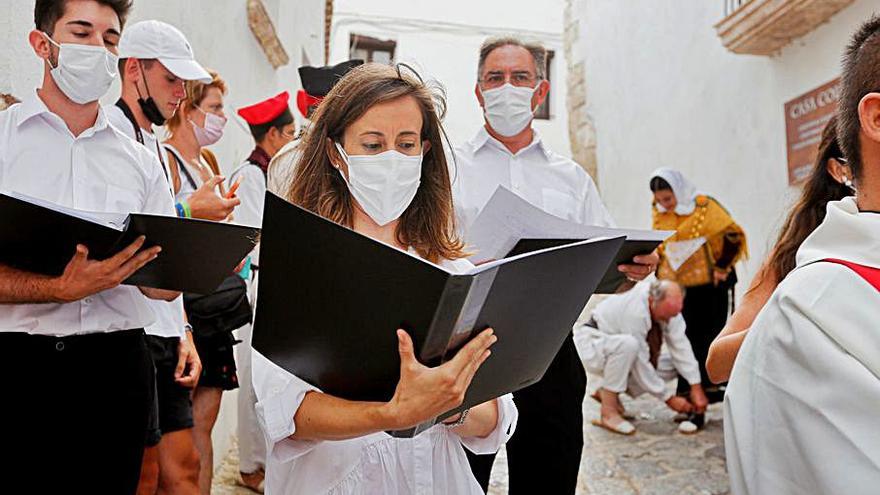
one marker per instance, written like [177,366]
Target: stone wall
[581,132]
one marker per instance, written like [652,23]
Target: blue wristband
[180,212]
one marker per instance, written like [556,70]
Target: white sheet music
[507,218]
[113,220]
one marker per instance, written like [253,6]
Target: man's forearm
[160,294]
[21,287]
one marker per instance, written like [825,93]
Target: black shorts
[172,404]
[218,360]
[74,412]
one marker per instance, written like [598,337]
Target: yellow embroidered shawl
[709,220]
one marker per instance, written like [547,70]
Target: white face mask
[84,72]
[383,184]
[508,108]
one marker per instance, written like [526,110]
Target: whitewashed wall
[444,39]
[663,91]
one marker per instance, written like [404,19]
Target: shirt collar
[483,138]
[260,158]
[846,233]
[32,106]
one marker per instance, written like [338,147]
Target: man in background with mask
[544,454]
[79,371]
[154,61]
[272,127]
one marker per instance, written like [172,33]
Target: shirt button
[87,300]
[59,346]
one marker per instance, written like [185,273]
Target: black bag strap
[182,167]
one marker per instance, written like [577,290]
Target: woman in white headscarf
[700,256]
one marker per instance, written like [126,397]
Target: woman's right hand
[423,393]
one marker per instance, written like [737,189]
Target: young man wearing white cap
[154,61]
[77,373]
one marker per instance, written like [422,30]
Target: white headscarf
[685,191]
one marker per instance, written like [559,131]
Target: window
[371,49]
[543,111]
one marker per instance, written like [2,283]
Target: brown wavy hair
[428,223]
[809,211]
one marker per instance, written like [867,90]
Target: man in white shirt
[544,455]
[155,60]
[801,407]
[79,375]
[621,348]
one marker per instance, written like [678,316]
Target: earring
[848,183]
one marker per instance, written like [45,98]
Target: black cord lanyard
[139,134]
[182,168]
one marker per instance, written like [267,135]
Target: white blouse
[433,462]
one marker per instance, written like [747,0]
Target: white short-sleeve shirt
[169,314]
[100,170]
[549,181]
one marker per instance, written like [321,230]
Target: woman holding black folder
[373,161]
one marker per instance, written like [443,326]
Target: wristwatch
[460,421]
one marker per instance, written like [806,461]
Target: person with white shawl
[700,256]
[801,411]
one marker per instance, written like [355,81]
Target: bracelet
[186,210]
[179,208]
[187,327]
[460,421]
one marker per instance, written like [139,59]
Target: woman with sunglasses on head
[373,161]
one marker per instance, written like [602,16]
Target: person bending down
[621,349]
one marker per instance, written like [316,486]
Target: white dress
[433,462]
[802,409]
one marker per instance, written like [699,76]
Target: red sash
[871,275]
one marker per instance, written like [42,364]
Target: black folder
[613,278]
[509,225]
[41,237]
[331,300]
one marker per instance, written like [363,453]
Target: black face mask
[148,106]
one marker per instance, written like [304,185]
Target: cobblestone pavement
[657,460]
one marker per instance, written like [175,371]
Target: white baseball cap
[164,42]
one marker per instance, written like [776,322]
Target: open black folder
[613,277]
[330,301]
[41,237]
[509,225]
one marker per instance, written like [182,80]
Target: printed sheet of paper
[508,218]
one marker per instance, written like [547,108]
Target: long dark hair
[809,211]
